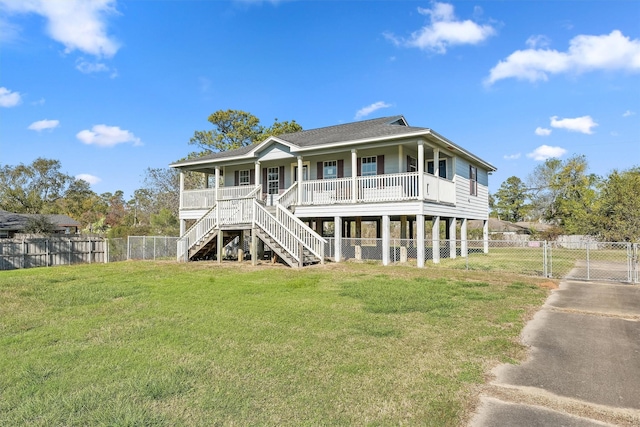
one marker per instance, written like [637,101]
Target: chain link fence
[585,260]
[142,248]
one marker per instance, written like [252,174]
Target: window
[412,164]
[442,168]
[305,173]
[273,179]
[244,177]
[473,180]
[369,166]
[330,169]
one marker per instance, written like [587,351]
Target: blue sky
[111,88]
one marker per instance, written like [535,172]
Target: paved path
[583,367]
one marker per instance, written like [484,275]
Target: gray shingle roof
[374,128]
[16,222]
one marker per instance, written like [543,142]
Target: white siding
[468,206]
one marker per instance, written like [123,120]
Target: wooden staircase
[288,237]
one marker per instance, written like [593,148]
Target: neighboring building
[14,223]
[284,190]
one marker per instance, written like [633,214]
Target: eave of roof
[349,134]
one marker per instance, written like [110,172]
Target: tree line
[42,187]
[565,195]
[561,193]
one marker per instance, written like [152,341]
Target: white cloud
[40,101]
[542,131]
[512,156]
[545,152]
[538,41]
[611,51]
[77,24]
[628,113]
[87,67]
[91,179]
[365,111]
[579,124]
[443,31]
[8,98]
[107,136]
[45,124]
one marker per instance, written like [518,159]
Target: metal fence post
[588,264]
[545,270]
[635,262]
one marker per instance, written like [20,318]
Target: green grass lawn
[160,343]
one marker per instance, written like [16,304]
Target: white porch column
[485,235]
[337,234]
[257,176]
[464,251]
[354,175]
[420,240]
[386,239]
[435,239]
[421,174]
[217,185]
[183,226]
[181,187]
[300,177]
[436,171]
[400,159]
[452,238]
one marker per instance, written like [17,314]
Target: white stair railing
[289,197]
[310,239]
[278,232]
[196,232]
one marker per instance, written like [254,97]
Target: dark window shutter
[380,165]
[281,177]
[320,170]
[430,167]
[252,176]
[442,168]
[264,180]
[340,168]
[408,163]
[236,178]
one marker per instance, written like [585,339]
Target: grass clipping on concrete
[160,343]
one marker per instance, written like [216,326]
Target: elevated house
[285,190]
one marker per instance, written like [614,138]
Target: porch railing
[289,197]
[278,231]
[368,189]
[326,191]
[311,240]
[206,198]
[196,232]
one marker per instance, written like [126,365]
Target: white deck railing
[196,232]
[278,232]
[206,198]
[368,189]
[311,240]
[289,197]
[326,191]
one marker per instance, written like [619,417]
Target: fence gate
[617,262]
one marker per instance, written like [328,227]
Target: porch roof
[382,128]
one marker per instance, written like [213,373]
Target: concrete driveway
[583,367]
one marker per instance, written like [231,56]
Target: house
[285,190]
[14,223]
